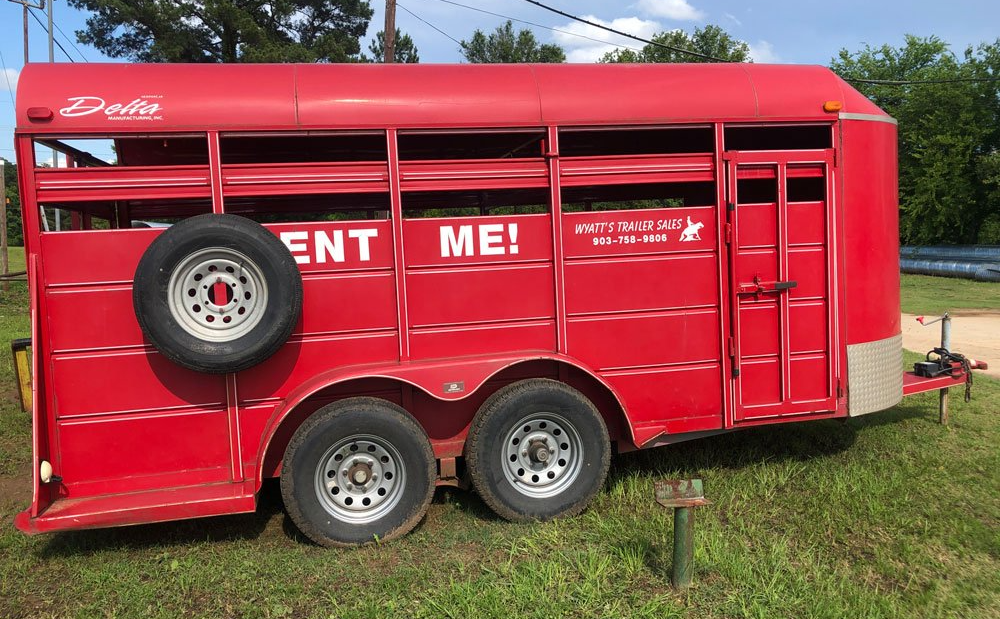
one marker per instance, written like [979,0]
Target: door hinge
[731,344]
[730,206]
[840,389]
[729,233]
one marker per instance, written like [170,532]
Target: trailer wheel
[217,293]
[537,449]
[358,471]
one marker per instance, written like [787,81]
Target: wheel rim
[217,294]
[360,478]
[542,455]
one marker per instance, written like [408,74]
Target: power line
[69,40]
[58,44]
[530,23]
[10,91]
[625,34]
[429,24]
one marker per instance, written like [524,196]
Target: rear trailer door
[781,274]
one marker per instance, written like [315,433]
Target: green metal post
[683,547]
[683,495]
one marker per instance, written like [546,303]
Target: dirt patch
[974,333]
[15,490]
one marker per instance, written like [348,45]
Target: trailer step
[139,508]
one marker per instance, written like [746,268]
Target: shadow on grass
[221,528]
[774,444]
[467,502]
[215,529]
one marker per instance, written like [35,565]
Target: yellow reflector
[832,106]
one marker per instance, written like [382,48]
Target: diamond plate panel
[874,375]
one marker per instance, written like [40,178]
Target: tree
[502,45]
[12,202]
[949,134]
[710,41]
[403,49]
[226,30]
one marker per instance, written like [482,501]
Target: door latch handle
[760,287]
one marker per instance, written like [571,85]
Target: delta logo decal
[144,108]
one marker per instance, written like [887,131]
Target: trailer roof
[125,98]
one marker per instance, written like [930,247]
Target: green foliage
[12,202]
[925,294]
[403,49]
[949,133]
[989,169]
[226,30]
[710,41]
[504,45]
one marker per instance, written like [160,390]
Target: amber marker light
[832,106]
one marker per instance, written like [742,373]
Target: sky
[779,31]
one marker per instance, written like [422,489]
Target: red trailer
[379,279]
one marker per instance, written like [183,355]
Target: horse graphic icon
[691,232]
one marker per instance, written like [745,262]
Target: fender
[448,381]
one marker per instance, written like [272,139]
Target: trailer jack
[941,362]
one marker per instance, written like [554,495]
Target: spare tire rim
[217,294]
[542,455]
[360,478]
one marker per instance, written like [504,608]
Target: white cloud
[9,76]
[732,18]
[589,50]
[763,52]
[670,9]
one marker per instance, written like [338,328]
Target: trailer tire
[358,471]
[184,270]
[537,449]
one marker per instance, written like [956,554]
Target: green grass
[889,515]
[924,294]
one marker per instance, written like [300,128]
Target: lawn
[924,294]
[889,515]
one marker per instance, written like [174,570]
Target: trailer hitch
[941,361]
[946,363]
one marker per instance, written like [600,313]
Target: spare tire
[217,293]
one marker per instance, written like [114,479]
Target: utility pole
[4,267]
[389,34]
[51,58]
[55,155]
[25,5]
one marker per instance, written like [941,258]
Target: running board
[139,508]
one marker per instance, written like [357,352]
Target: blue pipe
[964,253]
[977,270]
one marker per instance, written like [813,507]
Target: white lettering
[456,245]
[363,235]
[334,248]
[81,106]
[290,238]
[490,239]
